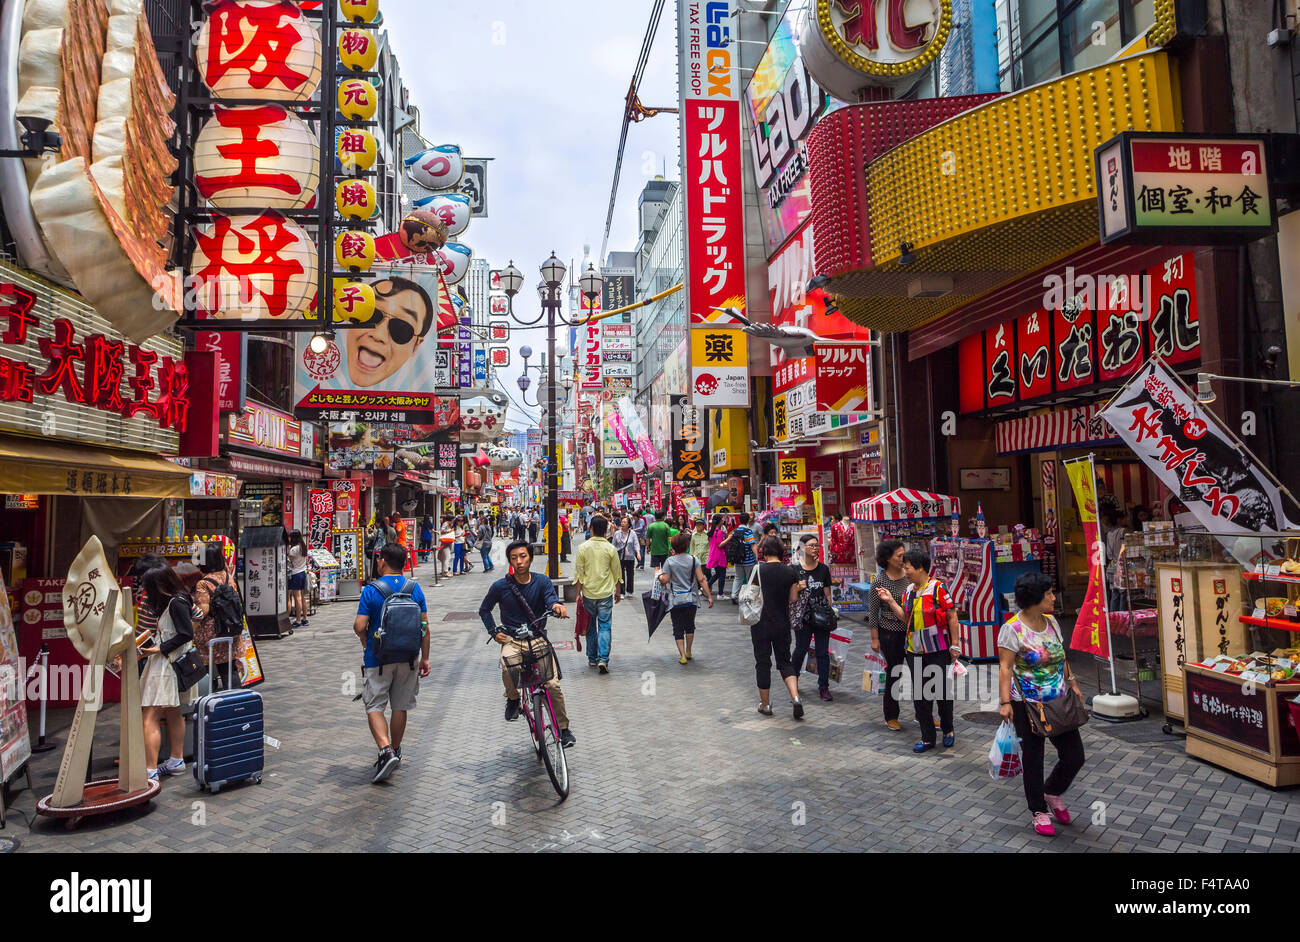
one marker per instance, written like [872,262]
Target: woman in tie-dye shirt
[1031,653]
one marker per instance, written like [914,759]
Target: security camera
[1270,358]
[33,123]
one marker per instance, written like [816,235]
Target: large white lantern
[260,49]
[253,267]
[452,208]
[256,155]
[438,168]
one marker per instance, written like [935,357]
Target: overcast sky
[540,88]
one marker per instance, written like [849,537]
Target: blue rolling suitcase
[227,733]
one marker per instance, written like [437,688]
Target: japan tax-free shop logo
[89,895]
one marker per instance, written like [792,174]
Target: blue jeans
[486,553]
[598,641]
[458,557]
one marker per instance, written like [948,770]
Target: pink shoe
[1059,810]
[1043,824]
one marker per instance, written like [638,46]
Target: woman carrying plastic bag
[1004,754]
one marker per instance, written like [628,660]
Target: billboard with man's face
[387,370]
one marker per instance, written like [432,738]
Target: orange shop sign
[265,429]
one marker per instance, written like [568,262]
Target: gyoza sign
[1098,329]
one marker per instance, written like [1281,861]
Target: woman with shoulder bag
[171,653]
[683,575]
[1041,697]
[780,587]
[814,617]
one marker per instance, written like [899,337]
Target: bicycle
[530,670]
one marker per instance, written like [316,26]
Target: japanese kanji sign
[711,149]
[690,442]
[1183,188]
[791,471]
[1185,446]
[719,368]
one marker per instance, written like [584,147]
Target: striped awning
[904,504]
[1065,428]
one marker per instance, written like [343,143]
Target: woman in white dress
[160,694]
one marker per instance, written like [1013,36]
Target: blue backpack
[400,634]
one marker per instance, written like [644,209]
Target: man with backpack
[739,548]
[393,625]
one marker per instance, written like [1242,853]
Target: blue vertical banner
[480,365]
[464,355]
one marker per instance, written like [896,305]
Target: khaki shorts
[396,686]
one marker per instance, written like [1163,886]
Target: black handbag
[189,668]
[821,618]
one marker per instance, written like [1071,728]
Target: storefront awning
[905,504]
[32,466]
[1066,428]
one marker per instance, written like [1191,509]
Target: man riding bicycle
[525,599]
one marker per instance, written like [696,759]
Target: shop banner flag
[821,524]
[1197,458]
[1091,633]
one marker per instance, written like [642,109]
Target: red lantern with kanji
[353,301]
[354,250]
[358,50]
[356,199]
[262,49]
[356,149]
[358,100]
[258,155]
[252,267]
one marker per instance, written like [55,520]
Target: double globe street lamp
[550,293]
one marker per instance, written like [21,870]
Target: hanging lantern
[438,168]
[421,232]
[358,100]
[353,301]
[355,149]
[453,258]
[354,250]
[256,155]
[355,199]
[359,11]
[263,49]
[253,267]
[502,458]
[452,208]
[358,50]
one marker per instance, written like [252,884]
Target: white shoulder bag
[751,599]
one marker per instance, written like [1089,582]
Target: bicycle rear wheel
[557,766]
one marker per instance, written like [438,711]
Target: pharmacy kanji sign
[1183,188]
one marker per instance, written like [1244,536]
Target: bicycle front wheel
[557,766]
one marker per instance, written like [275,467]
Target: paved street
[668,758]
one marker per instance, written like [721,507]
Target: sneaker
[1043,824]
[591,663]
[682,660]
[153,775]
[948,740]
[825,694]
[512,710]
[304,624]
[893,724]
[172,766]
[384,765]
[567,739]
[397,751]
[1059,811]
[293,624]
[923,746]
[690,656]
[603,666]
[798,708]
[765,709]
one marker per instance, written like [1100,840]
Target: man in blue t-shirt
[525,599]
[392,685]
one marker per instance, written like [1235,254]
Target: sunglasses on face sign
[401,331]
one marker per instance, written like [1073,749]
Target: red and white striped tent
[904,504]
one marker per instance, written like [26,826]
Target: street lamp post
[553,279]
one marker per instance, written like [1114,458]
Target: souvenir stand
[915,517]
[326,575]
[1240,636]
[981,575]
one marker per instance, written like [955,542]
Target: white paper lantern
[253,267]
[254,155]
[453,258]
[452,208]
[259,49]
[438,168]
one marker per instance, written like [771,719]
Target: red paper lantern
[259,49]
[253,267]
[256,156]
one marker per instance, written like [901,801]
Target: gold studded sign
[858,44]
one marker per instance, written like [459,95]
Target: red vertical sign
[320,519]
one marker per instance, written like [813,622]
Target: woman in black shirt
[771,635]
[816,576]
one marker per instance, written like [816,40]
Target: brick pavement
[668,758]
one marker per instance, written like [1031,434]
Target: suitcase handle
[230,662]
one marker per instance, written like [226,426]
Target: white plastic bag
[1004,754]
[875,677]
